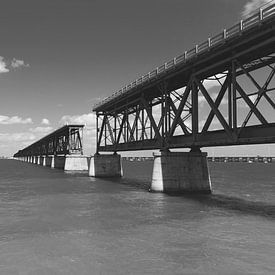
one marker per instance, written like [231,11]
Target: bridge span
[219,93]
[62,149]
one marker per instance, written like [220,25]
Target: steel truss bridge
[219,93]
[64,141]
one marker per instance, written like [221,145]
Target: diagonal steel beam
[261,92]
[215,109]
[134,126]
[181,123]
[121,128]
[251,104]
[217,103]
[110,131]
[101,130]
[180,108]
[152,120]
[269,100]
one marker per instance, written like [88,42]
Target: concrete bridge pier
[42,160]
[58,162]
[181,172]
[105,166]
[37,158]
[76,163]
[49,161]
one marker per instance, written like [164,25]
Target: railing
[245,24]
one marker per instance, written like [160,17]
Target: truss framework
[233,107]
[64,141]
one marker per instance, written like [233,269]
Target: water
[57,223]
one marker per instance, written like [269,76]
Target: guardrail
[236,29]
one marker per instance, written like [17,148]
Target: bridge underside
[222,97]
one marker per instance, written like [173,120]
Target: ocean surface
[52,222]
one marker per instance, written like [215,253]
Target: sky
[59,58]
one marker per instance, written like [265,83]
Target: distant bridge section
[62,148]
[221,92]
[64,141]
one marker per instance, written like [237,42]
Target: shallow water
[53,222]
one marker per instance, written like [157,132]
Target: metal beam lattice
[64,141]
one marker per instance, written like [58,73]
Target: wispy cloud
[6,120]
[16,63]
[88,120]
[6,66]
[17,137]
[41,130]
[253,5]
[3,66]
[45,121]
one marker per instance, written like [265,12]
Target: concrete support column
[41,160]
[49,160]
[105,166]
[181,172]
[76,163]
[58,162]
[36,159]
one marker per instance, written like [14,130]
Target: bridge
[219,93]
[62,148]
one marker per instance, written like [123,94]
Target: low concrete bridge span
[219,93]
[62,149]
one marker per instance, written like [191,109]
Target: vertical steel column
[142,126]
[235,121]
[229,99]
[195,114]
[115,125]
[97,133]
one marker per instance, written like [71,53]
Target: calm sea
[52,222]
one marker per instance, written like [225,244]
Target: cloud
[45,121]
[89,120]
[253,5]
[16,63]
[17,137]
[3,66]
[41,130]
[6,120]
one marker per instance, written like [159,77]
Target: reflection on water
[53,222]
